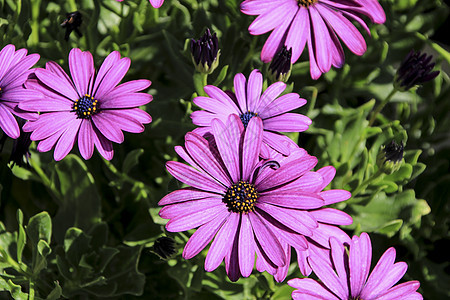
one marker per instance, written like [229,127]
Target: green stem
[204,79]
[380,106]
[312,102]
[369,180]
[31,292]
[34,23]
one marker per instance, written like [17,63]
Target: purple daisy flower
[327,218]
[238,199]
[154,3]
[247,103]
[318,23]
[14,71]
[346,276]
[89,107]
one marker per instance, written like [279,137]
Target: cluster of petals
[247,102]
[14,71]
[115,105]
[316,241]
[346,275]
[319,24]
[284,212]
[154,3]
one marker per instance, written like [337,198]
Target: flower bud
[20,152]
[281,66]
[205,52]
[164,247]
[414,70]
[72,22]
[389,159]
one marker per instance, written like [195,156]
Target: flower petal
[86,140]
[194,178]
[307,288]
[251,147]
[201,238]
[221,244]
[360,256]
[195,219]
[267,240]
[286,173]
[8,123]
[81,66]
[186,194]
[246,247]
[67,139]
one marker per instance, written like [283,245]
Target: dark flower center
[241,197]
[245,118]
[306,3]
[85,107]
[1,92]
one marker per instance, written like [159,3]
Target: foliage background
[84,229]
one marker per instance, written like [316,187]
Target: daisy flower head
[325,219]
[154,3]
[248,103]
[346,275]
[317,23]
[14,71]
[244,205]
[89,107]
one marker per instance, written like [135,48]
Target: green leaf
[283,292]
[40,228]
[222,76]
[76,243]
[131,160]
[14,289]
[390,228]
[55,293]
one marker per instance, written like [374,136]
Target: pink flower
[14,71]
[346,276]
[248,103]
[239,202]
[89,107]
[318,23]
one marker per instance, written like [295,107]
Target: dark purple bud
[415,69]
[205,52]
[280,67]
[20,151]
[71,23]
[390,157]
[164,247]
